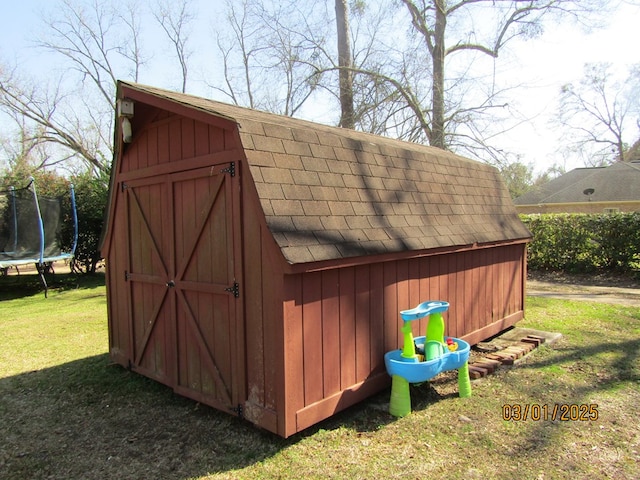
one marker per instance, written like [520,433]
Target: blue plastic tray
[424,309]
[416,372]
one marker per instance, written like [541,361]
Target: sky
[543,65]
[558,58]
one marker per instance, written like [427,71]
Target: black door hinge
[127,276]
[231,169]
[234,289]
[123,186]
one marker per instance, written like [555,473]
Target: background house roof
[330,193]
[615,183]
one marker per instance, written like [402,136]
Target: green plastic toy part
[408,349]
[435,328]
[464,382]
[400,402]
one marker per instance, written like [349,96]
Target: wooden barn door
[183,277]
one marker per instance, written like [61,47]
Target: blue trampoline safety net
[31,227]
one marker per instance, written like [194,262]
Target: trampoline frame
[41,260]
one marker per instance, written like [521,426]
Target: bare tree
[45,116]
[345,61]
[267,61]
[400,84]
[24,150]
[277,55]
[241,49]
[600,113]
[286,46]
[75,112]
[83,37]
[175,18]
[132,50]
[505,21]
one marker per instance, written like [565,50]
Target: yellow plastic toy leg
[400,403]
[464,382]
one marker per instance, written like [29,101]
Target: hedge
[583,243]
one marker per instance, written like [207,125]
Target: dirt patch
[586,279]
[621,290]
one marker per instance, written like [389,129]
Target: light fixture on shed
[127,133]
[125,112]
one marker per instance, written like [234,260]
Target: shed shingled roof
[329,193]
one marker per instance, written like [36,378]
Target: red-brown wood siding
[173,253]
[118,312]
[262,299]
[338,323]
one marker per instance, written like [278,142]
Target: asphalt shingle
[330,193]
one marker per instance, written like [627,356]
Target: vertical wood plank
[255,287]
[434,279]
[175,140]
[163,143]
[216,139]
[201,139]
[347,328]
[133,159]
[201,304]
[331,360]
[222,346]
[425,289]
[274,326]
[392,323]
[414,290]
[479,287]
[293,358]
[458,310]
[503,284]
[485,273]
[402,288]
[491,278]
[449,294]
[376,315]
[444,262]
[362,323]
[312,336]
[187,137]
[152,146]
[476,279]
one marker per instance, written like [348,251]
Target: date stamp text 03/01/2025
[562,412]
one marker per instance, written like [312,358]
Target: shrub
[91,200]
[91,194]
[582,243]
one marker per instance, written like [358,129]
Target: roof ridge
[275,118]
[328,192]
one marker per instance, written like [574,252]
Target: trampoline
[31,228]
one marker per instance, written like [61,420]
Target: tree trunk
[437,138]
[345,62]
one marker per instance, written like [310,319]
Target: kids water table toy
[438,354]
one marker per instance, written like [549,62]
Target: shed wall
[173,255]
[338,323]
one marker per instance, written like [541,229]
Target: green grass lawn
[66,412]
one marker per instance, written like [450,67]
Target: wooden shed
[257,263]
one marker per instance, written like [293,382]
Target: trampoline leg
[40,267]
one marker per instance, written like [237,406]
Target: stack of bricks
[491,361]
